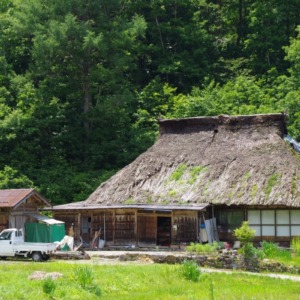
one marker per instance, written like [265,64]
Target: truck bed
[31,247]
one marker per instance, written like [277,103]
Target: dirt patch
[40,275]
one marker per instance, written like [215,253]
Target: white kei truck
[12,245]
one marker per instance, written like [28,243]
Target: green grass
[178,173]
[295,245]
[272,251]
[202,248]
[138,282]
[272,181]
[194,172]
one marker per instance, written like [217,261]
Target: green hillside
[82,83]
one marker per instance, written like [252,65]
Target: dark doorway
[163,231]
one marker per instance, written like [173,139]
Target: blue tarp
[293,143]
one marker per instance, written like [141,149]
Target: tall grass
[49,287]
[295,245]
[273,251]
[85,277]
[190,270]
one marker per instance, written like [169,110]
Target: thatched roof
[221,160]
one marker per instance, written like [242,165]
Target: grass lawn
[151,281]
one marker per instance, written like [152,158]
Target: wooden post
[92,226]
[104,225]
[79,225]
[136,227]
[172,231]
[114,225]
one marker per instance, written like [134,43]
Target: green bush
[244,233]
[190,270]
[249,251]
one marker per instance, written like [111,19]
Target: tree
[271,23]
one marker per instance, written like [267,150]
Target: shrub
[249,251]
[244,233]
[190,270]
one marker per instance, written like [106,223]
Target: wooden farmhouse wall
[19,215]
[132,226]
[4,218]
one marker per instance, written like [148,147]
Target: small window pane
[295,230]
[295,216]
[257,230]
[268,216]
[282,217]
[268,230]
[283,231]
[230,219]
[254,216]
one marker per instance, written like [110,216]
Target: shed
[17,204]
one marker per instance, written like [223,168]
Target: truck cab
[8,238]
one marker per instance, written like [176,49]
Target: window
[230,219]
[86,224]
[279,223]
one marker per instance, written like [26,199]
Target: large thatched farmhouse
[200,180]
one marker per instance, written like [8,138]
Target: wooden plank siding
[124,227]
[135,227]
[147,230]
[4,221]
[185,227]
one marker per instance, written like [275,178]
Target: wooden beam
[91,226]
[114,225]
[78,225]
[136,227]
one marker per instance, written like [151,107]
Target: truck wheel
[46,257]
[36,256]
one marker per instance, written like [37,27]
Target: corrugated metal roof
[45,219]
[83,205]
[12,197]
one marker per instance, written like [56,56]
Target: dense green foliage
[82,83]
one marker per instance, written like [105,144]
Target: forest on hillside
[82,83]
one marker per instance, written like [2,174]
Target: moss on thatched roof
[229,160]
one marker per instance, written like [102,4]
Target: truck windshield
[5,235]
